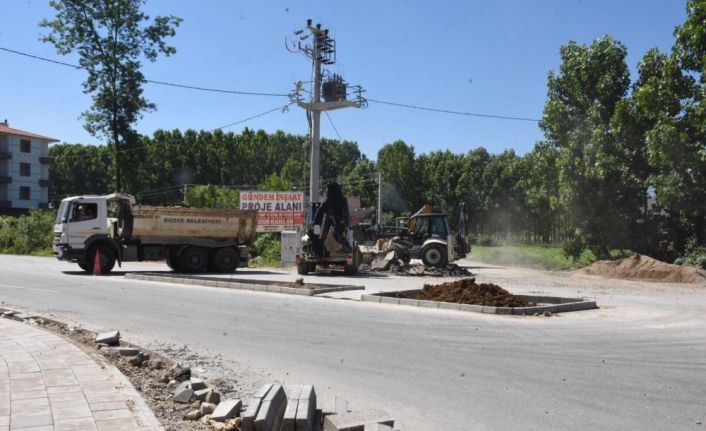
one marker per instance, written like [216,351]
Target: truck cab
[82,224]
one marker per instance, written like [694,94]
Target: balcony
[5,155]
[4,179]
[44,183]
[46,160]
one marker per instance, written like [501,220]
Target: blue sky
[488,57]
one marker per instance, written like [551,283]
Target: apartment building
[24,170]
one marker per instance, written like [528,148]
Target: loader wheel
[225,260]
[302,268]
[352,269]
[107,258]
[193,259]
[434,254]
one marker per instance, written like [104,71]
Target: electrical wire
[254,93]
[448,111]
[142,147]
[334,126]
[150,81]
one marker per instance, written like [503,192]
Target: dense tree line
[622,165]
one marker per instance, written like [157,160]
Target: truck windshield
[63,213]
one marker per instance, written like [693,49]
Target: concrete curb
[552,304]
[242,284]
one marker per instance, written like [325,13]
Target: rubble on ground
[390,262]
[182,401]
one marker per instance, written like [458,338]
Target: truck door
[86,218]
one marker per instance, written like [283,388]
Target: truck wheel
[303,268]
[225,259]
[434,254]
[193,259]
[107,258]
[84,267]
[173,262]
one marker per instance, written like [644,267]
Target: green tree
[111,37]
[397,161]
[582,99]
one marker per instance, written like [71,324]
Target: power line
[170,84]
[334,126]
[447,111]
[147,146]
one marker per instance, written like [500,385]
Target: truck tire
[303,268]
[84,266]
[173,262]
[193,259]
[434,254]
[224,260]
[107,258]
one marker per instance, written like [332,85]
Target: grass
[533,256]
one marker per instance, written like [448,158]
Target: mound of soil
[466,291]
[645,268]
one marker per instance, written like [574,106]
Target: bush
[268,248]
[694,254]
[30,234]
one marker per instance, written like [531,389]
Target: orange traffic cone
[97,263]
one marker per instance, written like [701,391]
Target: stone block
[253,407]
[448,306]
[389,300]
[183,393]
[370,298]
[228,409]
[213,397]
[197,384]
[269,416]
[357,420]
[503,310]
[202,394]
[306,409]
[207,408]
[489,309]
[429,304]
[473,308]
[126,351]
[290,412]
[111,338]
[407,301]
[377,427]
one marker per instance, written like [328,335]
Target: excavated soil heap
[645,268]
[466,291]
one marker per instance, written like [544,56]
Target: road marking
[28,288]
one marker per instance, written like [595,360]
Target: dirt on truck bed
[466,291]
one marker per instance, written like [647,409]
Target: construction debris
[390,262]
[357,420]
[111,338]
[466,291]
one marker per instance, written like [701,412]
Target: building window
[25,169]
[25,193]
[25,145]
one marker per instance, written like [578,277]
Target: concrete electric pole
[316,44]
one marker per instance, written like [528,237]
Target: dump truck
[116,229]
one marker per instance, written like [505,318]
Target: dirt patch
[466,291]
[645,268]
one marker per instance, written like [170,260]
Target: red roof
[17,132]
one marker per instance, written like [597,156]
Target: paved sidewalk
[49,384]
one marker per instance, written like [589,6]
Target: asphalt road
[637,363]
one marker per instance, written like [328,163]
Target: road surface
[639,362]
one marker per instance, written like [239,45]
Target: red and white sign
[276,211]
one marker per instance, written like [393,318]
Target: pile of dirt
[466,291]
[645,268]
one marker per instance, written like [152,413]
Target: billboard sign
[276,211]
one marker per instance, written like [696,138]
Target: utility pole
[380,201]
[322,51]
